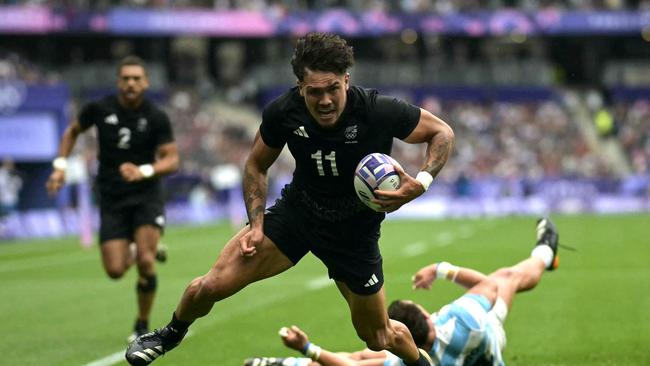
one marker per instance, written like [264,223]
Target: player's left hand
[424,277]
[409,190]
[130,172]
[294,338]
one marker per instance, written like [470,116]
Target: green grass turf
[58,308]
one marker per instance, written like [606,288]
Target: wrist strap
[146,170]
[312,351]
[447,271]
[425,178]
[60,163]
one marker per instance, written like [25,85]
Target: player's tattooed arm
[255,184]
[438,152]
[255,190]
[439,138]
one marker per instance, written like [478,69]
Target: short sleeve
[401,117]
[472,310]
[271,130]
[88,115]
[165,133]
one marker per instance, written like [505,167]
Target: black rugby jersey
[326,158]
[126,135]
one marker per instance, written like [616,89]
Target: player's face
[325,95]
[132,82]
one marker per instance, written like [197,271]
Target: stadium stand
[526,124]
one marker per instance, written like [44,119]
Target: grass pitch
[58,307]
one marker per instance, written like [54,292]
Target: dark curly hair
[131,60]
[321,52]
[410,315]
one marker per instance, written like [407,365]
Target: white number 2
[125,138]
[331,157]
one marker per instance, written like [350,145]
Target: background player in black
[328,126]
[136,147]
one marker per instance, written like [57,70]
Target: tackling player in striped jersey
[468,331]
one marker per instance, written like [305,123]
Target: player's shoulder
[152,107]
[104,102]
[99,107]
[371,100]
[286,102]
[361,97]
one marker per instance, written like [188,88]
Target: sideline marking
[117,357]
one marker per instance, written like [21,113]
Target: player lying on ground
[468,331]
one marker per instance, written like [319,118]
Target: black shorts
[121,216]
[349,249]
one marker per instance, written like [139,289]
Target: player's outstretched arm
[296,339]
[68,140]
[465,277]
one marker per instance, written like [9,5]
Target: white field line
[312,285]
[111,359]
[118,356]
[319,283]
[440,239]
[414,249]
[52,261]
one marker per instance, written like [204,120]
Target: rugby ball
[375,171]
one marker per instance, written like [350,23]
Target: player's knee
[504,274]
[376,344]
[145,262]
[375,340]
[115,272]
[490,289]
[147,284]
[213,288]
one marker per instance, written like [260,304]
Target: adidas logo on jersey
[372,281]
[111,119]
[300,131]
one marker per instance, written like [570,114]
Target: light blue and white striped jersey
[467,333]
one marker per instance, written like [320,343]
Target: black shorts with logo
[121,216]
[348,248]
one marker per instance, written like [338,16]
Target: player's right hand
[55,182]
[294,338]
[424,277]
[248,242]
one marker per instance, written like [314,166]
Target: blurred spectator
[10,185]
[15,67]
[604,122]
[634,132]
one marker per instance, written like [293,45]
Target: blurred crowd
[502,140]
[409,6]
[529,140]
[506,141]
[634,132]
[15,67]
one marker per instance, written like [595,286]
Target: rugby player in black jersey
[136,147]
[328,126]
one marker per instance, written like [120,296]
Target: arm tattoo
[254,196]
[438,152]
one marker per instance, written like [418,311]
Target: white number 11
[318,156]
